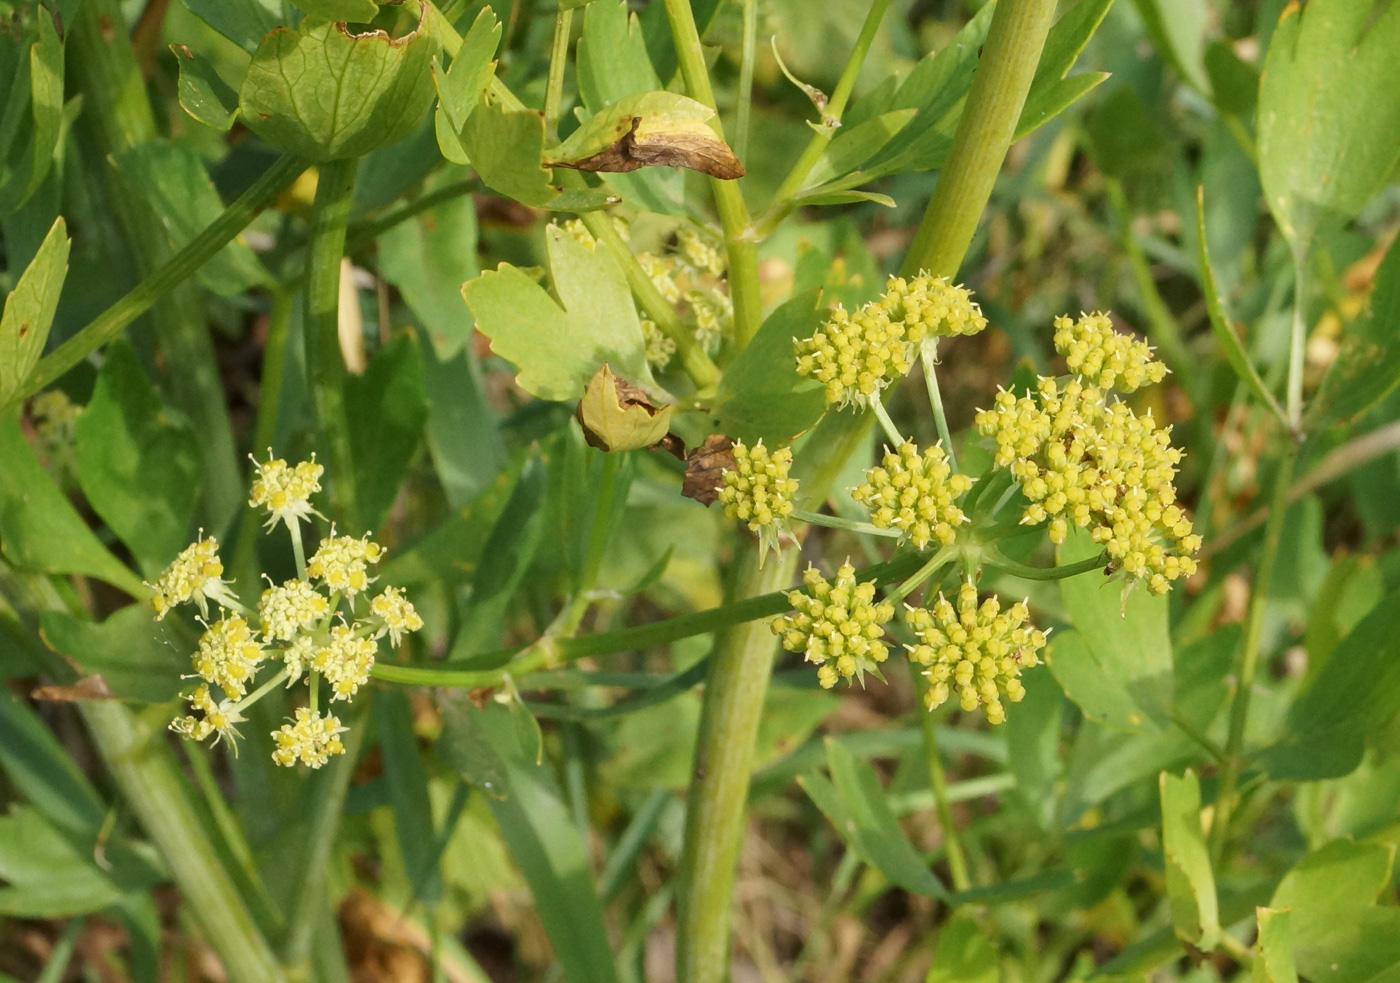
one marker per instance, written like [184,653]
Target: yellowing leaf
[617,416]
[650,129]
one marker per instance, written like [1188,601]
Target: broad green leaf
[1354,585]
[1356,693]
[612,57]
[408,792]
[761,396]
[355,11]
[29,310]
[1033,743]
[573,4]
[464,748]
[385,409]
[871,827]
[557,350]
[1178,30]
[39,530]
[1101,694]
[1049,100]
[506,147]
[39,767]
[1234,84]
[244,22]
[1329,122]
[203,94]
[1225,336]
[1068,37]
[649,129]
[964,954]
[139,658]
[545,844]
[853,146]
[1367,368]
[138,465]
[324,93]
[1128,635]
[464,438]
[1340,934]
[1190,881]
[461,86]
[1273,949]
[47,874]
[33,116]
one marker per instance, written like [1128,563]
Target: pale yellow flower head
[228,655]
[1108,359]
[394,614]
[345,660]
[855,355]
[195,575]
[312,739]
[976,649]
[216,717]
[758,492]
[341,563]
[931,307]
[285,490]
[837,625]
[294,607]
[914,493]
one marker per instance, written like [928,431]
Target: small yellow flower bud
[758,492]
[914,493]
[294,607]
[311,739]
[1093,349]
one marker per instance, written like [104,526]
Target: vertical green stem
[714,819]
[330,212]
[554,85]
[117,116]
[988,123]
[744,107]
[929,355]
[740,246]
[1299,338]
[1248,662]
[952,843]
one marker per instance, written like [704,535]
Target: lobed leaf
[29,310]
[1190,880]
[460,88]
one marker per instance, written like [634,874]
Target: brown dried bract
[698,151]
[88,688]
[705,466]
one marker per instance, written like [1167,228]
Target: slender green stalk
[935,563]
[938,783]
[1298,339]
[229,827]
[554,84]
[831,115]
[744,106]
[360,234]
[108,325]
[724,750]
[994,557]
[117,117]
[886,424]
[694,360]
[328,797]
[324,363]
[984,133]
[928,353]
[1248,661]
[740,246]
[62,954]
[1166,332]
[849,525]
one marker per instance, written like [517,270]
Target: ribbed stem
[330,212]
[938,783]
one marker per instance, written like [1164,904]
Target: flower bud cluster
[857,355]
[660,347]
[837,625]
[285,490]
[914,493]
[978,649]
[1110,360]
[303,626]
[757,490]
[1082,459]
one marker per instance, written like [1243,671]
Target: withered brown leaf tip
[704,467]
[697,150]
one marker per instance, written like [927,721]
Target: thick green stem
[117,117]
[740,246]
[985,130]
[108,325]
[938,783]
[1248,661]
[554,84]
[744,106]
[734,693]
[324,364]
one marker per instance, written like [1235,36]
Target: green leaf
[1178,33]
[324,93]
[506,146]
[39,530]
[853,146]
[48,875]
[1190,881]
[1225,336]
[138,465]
[545,844]
[203,94]
[649,129]
[1049,100]
[557,350]
[461,87]
[33,118]
[139,658]
[843,198]
[29,310]
[1340,935]
[1033,743]
[612,57]
[464,748]
[964,955]
[355,11]
[408,791]
[41,769]
[385,410]
[1234,83]
[870,827]
[244,22]
[1273,949]
[1367,368]
[761,396]
[1101,694]
[1329,122]
[1128,636]
[1356,694]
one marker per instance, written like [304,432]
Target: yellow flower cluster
[660,347]
[395,615]
[857,355]
[1110,360]
[345,659]
[195,575]
[1084,460]
[690,278]
[758,491]
[219,718]
[311,739]
[701,253]
[228,654]
[837,625]
[980,649]
[288,610]
[342,561]
[55,418]
[285,490]
[914,493]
